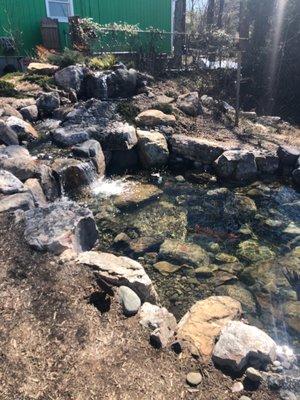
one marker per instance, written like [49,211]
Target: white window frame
[60,18]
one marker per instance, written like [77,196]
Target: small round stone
[253,374]
[194,378]
[237,387]
[130,300]
[277,363]
[245,398]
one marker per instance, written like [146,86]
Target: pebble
[237,387]
[194,378]
[179,178]
[245,398]
[253,374]
[130,300]
[277,363]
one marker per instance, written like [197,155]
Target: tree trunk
[179,30]
[210,13]
[220,15]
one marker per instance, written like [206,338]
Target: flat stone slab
[138,195]
[195,149]
[59,227]
[154,118]
[9,184]
[202,324]
[241,346]
[120,271]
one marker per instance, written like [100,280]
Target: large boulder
[267,163]
[9,184]
[195,149]
[73,174]
[154,118]
[70,77]
[120,271]
[34,187]
[202,324]
[241,346]
[22,167]
[95,85]
[14,151]
[7,135]
[23,129]
[47,103]
[17,201]
[153,149]
[69,135]
[91,149]
[8,111]
[288,155]
[30,113]
[126,82]
[118,136]
[183,253]
[59,227]
[190,104]
[296,176]
[42,68]
[239,165]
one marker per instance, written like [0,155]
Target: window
[59,9]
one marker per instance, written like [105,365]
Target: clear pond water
[251,236]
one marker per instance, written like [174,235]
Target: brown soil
[54,344]
[248,135]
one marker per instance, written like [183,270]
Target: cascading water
[104,187]
[103,88]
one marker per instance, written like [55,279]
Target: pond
[199,238]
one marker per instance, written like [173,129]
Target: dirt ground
[248,135]
[63,338]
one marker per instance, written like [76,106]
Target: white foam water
[104,187]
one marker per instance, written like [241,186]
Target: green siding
[23,17]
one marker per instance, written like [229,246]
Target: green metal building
[22,18]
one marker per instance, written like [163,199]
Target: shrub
[66,58]
[128,110]
[164,107]
[41,80]
[7,89]
[101,63]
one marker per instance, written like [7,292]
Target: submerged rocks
[190,104]
[154,118]
[9,184]
[183,253]
[70,135]
[120,271]
[202,324]
[138,196]
[242,345]
[59,227]
[152,148]
[239,165]
[195,149]
[251,251]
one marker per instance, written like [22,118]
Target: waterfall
[103,89]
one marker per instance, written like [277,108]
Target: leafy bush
[164,107]
[7,89]
[66,58]
[101,63]
[128,110]
[41,80]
